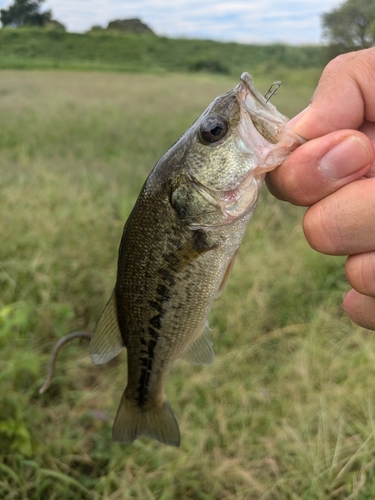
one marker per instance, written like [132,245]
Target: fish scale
[178,248]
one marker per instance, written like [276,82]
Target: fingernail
[346,158]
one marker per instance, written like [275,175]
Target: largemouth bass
[178,248]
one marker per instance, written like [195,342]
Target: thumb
[343,98]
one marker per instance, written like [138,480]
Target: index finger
[344,97]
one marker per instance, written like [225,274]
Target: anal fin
[107,340]
[200,352]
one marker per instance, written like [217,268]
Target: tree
[130,25]
[350,26]
[25,13]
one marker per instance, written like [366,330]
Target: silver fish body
[178,248]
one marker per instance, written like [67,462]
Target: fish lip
[246,80]
[255,103]
[247,83]
[261,111]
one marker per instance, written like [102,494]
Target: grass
[287,409]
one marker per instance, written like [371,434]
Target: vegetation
[130,25]
[116,51]
[351,26]
[286,411]
[25,13]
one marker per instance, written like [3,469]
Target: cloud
[289,21]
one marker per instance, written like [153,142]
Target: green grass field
[287,411]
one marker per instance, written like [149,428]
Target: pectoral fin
[200,352]
[107,340]
[226,276]
[178,260]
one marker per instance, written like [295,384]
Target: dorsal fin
[107,340]
[200,352]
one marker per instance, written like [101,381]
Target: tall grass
[287,409]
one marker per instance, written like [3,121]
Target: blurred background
[91,95]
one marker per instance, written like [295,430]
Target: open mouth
[265,117]
[247,81]
[275,140]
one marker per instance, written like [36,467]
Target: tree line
[28,13]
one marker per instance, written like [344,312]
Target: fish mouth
[263,125]
[247,83]
[268,122]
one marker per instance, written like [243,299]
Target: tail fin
[157,422]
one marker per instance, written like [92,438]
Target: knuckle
[335,66]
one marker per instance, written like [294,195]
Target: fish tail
[157,422]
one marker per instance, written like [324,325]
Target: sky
[245,21]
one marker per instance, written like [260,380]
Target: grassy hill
[115,51]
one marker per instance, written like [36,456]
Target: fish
[178,248]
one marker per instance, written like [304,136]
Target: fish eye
[212,129]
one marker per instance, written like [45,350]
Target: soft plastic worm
[64,340]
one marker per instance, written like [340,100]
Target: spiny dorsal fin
[201,352]
[107,340]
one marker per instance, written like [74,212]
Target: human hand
[334,174]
